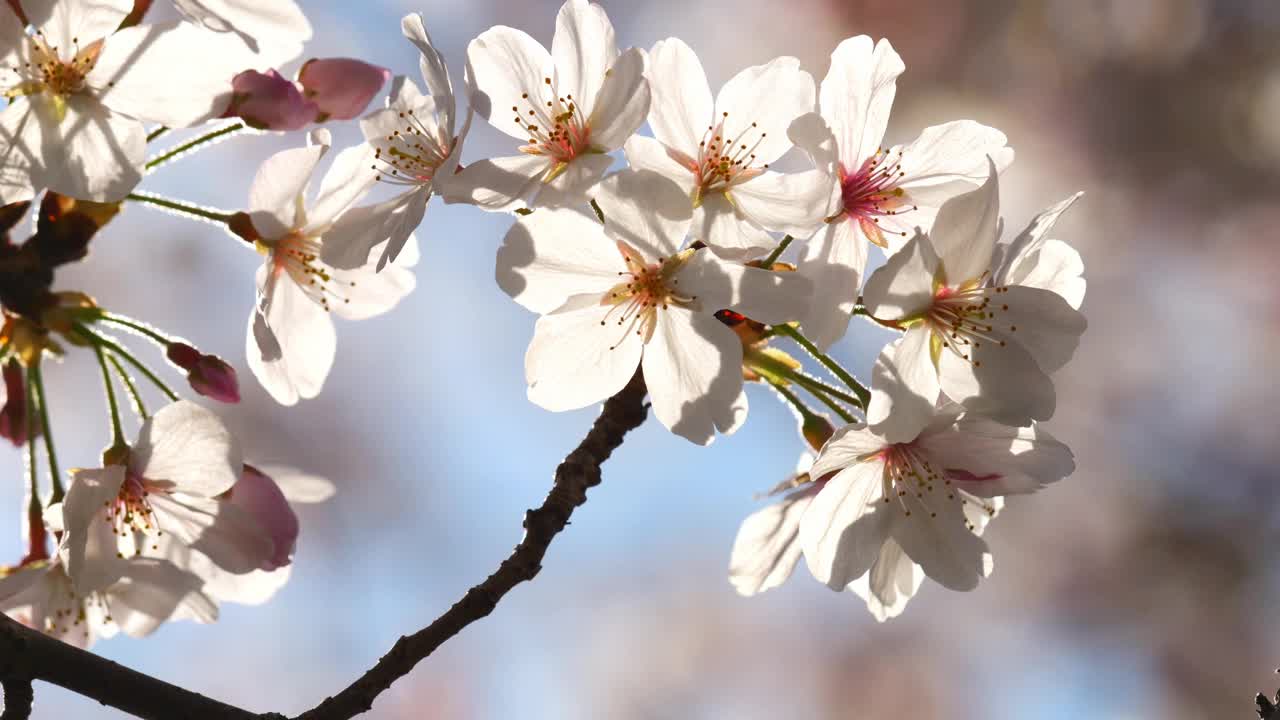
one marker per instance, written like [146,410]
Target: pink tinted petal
[213,378]
[340,87]
[259,496]
[269,101]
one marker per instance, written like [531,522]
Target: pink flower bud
[13,416]
[182,355]
[214,378]
[341,88]
[269,102]
[259,496]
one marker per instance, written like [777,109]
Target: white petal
[903,286]
[367,292]
[187,448]
[892,581]
[274,30]
[904,386]
[791,203]
[435,73]
[767,547]
[88,545]
[275,194]
[583,49]
[950,159]
[1041,321]
[571,186]
[92,153]
[1035,260]
[579,355]
[682,106]
[771,96]
[622,103]
[228,535]
[291,340]
[14,44]
[645,153]
[68,24]
[498,184]
[299,486]
[857,95]
[152,593]
[1005,383]
[850,445]
[553,254]
[834,262]
[693,368]
[506,63]
[349,177]
[357,231]
[175,74]
[845,525]
[942,544]
[988,459]
[762,295]
[965,231]
[730,234]
[646,211]
[21,147]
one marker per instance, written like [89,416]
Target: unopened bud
[341,88]
[209,375]
[13,416]
[817,430]
[242,225]
[182,355]
[269,101]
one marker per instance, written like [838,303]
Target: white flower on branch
[881,196]
[973,332]
[414,147]
[571,107]
[719,150]
[291,340]
[629,293]
[81,90]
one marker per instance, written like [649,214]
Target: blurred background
[1145,586]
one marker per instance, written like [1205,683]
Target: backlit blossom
[629,293]
[925,494]
[415,148]
[984,343]
[881,195]
[569,108]
[718,150]
[81,91]
[291,339]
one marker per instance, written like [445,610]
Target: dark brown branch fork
[27,655]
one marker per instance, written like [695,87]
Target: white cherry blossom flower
[1033,259]
[173,481]
[81,90]
[274,29]
[924,495]
[570,108]
[415,147]
[988,345]
[143,593]
[291,339]
[628,294]
[881,196]
[718,150]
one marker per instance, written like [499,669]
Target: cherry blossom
[988,345]
[415,148]
[628,293]
[81,91]
[719,150]
[570,108]
[171,482]
[274,29]
[925,495]
[291,339]
[880,196]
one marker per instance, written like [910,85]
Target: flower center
[647,289]
[557,128]
[963,318]
[299,255]
[131,512]
[908,473]
[410,156]
[47,72]
[723,162]
[872,192]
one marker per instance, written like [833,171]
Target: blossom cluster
[672,266]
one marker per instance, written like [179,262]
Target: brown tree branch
[26,653]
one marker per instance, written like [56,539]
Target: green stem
[137,327]
[825,393]
[805,412]
[33,470]
[777,252]
[864,395]
[117,432]
[596,206]
[115,349]
[184,147]
[178,206]
[157,133]
[129,386]
[37,379]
